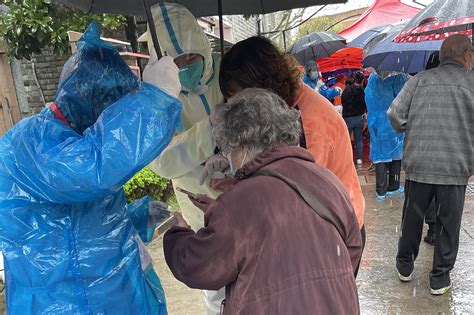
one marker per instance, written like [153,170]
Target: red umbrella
[345,58]
[430,29]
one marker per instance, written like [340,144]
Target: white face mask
[229,159]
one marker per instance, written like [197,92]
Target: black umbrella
[316,45]
[362,40]
[198,8]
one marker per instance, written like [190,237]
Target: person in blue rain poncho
[311,79]
[311,74]
[69,244]
[386,145]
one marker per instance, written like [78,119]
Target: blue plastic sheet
[328,93]
[69,244]
[385,143]
[138,212]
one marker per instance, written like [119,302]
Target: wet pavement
[380,291]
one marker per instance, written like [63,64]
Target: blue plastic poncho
[328,92]
[386,144]
[69,245]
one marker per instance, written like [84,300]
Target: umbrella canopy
[440,20]
[198,8]
[383,53]
[381,12]
[346,58]
[316,45]
[361,40]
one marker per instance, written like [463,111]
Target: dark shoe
[430,238]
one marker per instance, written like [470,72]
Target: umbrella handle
[151,26]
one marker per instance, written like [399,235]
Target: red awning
[379,13]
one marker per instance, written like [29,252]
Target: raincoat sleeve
[138,212]
[398,111]
[205,259]
[186,151]
[76,168]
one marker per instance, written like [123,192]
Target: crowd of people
[260,155]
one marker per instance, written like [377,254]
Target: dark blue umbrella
[382,53]
[361,40]
[316,45]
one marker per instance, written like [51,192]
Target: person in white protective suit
[181,37]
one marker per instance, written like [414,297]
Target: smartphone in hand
[184,191]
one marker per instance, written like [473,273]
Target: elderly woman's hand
[201,201]
[222,184]
[181,222]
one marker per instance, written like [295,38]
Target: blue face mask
[314,75]
[190,75]
[229,160]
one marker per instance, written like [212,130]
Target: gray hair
[257,119]
[454,47]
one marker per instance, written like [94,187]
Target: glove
[163,73]
[338,90]
[216,163]
[339,109]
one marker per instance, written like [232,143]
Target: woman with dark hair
[256,62]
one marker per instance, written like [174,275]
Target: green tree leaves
[31,25]
[145,183]
[317,25]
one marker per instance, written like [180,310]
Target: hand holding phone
[184,191]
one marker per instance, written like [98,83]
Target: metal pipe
[221,26]
[151,27]
[284,40]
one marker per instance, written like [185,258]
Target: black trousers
[449,204]
[430,216]
[387,176]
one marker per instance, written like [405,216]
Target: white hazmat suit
[183,160]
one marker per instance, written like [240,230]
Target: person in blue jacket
[311,74]
[69,244]
[386,145]
[311,79]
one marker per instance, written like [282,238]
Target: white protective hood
[179,33]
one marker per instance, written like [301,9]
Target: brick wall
[243,28]
[48,68]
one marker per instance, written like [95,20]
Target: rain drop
[414,291]
[338,251]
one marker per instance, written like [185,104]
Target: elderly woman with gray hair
[284,238]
